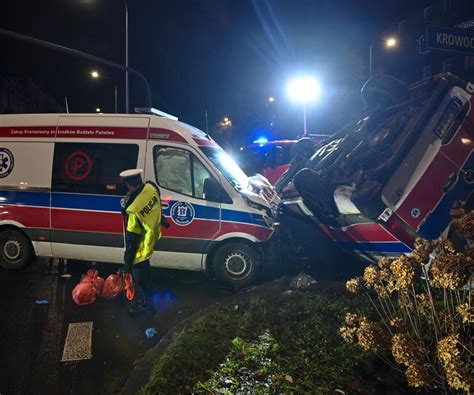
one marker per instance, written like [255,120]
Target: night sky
[226,56]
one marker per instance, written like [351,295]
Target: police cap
[131,176]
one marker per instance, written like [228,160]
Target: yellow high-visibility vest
[144,218]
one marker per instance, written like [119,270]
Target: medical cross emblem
[415,212]
[182,213]
[6,162]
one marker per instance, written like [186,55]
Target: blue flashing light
[261,140]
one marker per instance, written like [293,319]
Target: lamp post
[390,42]
[304,90]
[126,59]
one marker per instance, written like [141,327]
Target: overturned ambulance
[377,184]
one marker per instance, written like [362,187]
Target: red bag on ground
[89,277]
[84,293]
[112,286]
[93,278]
[99,285]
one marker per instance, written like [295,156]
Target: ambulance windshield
[226,165]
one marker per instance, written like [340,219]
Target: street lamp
[95,75]
[390,43]
[97,109]
[304,90]
[271,99]
[226,123]
[126,58]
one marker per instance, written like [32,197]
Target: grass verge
[271,340]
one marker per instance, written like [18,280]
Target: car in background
[270,158]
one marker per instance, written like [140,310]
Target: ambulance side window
[200,174]
[180,171]
[92,167]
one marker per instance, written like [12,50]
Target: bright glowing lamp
[391,42]
[261,140]
[304,90]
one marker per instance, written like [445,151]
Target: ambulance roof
[103,126]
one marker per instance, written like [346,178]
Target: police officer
[141,208]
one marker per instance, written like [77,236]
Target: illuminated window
[180,171]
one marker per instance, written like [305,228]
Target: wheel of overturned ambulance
[16,250]
[236,264]
[382,91]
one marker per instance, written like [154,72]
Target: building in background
[407,63]
[23,95]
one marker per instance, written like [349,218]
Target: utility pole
[126,58]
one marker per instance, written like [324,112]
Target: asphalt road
[32,336]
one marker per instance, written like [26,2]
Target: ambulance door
[180,173]
[90,152]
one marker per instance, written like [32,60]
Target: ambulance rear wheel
[236,264]
[15,249]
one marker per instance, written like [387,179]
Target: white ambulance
[60,193]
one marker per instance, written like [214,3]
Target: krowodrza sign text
[449,39]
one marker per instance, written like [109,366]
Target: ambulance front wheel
[15,249]
[236,264]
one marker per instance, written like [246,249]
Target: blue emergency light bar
[261,140]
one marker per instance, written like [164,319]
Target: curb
[142,370]
[144,366]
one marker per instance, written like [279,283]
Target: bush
[424,304]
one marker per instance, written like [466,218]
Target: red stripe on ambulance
[167,135]
[427,192]
[30,217]
[205,143]
[102,132]
[94,132]
[460,147]
[369,232]
[261,233]
[86,221]
[94,221]
[28,131]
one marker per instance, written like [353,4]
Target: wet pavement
[32,336]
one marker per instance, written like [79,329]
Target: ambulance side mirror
[214,191]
